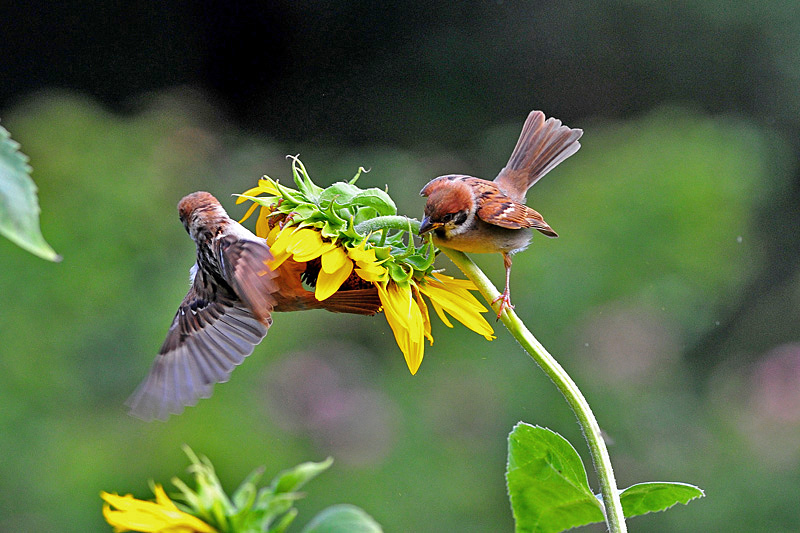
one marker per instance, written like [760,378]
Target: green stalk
[615,520]
[398,222]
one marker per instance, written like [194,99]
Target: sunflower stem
[615,520]
[388,222]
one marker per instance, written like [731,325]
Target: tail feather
[358,301]
[542,145]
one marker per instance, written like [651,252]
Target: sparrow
[475,215]
[228,309]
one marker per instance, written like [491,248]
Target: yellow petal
[265,186]
[426,317]
[278,247]
[282,239]
[440,313]
[249,210]
[334,259]
[454,282]
[329,283]
[362,254]
[453,297]
[305,242]
[465,310]
[262,222]
[310,253]
[255,191]
[405,319]
[162,498]
[273,234]
[373,275]
[161,516]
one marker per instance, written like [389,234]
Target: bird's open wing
[244,267]
[217,325]
[209,336]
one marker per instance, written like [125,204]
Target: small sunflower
[320,227]
[160,516]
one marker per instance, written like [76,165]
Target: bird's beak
[426,225]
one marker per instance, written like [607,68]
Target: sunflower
[160,516]
[320,227]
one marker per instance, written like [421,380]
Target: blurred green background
[671,296]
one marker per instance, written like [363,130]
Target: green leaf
[644,498]
[365,213]
[294,478]
[377,199]
[341,192]
[547,482]
[343,519]
[19,208]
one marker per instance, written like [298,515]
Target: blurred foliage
[659,232]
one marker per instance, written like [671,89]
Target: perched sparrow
[475,215]
[227,310]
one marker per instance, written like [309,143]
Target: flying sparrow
[476,215]
[228,309]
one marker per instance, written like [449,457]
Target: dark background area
[692,117]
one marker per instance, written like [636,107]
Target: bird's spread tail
[542,145]
[358,301]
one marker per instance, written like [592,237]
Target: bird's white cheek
[453,230]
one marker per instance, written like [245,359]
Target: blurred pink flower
[775,385]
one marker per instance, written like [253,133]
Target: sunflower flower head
[332,229]
[208,509]
[126,513]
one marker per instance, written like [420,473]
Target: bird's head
[198,209]
[450,205]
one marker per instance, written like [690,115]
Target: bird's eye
[448,217]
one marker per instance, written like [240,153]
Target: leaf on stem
[652,497]
[547,482]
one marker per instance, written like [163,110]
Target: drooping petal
[426,317]
[405,318]
[454,282]
[328,282]
[272,235]
[281,240]
[368,267]
[440,313]
[334,259]
[262,222]
[249,210]
[460,304]
[362,254]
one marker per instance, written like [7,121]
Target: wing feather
[498,209]
[206,341]
[244,267]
